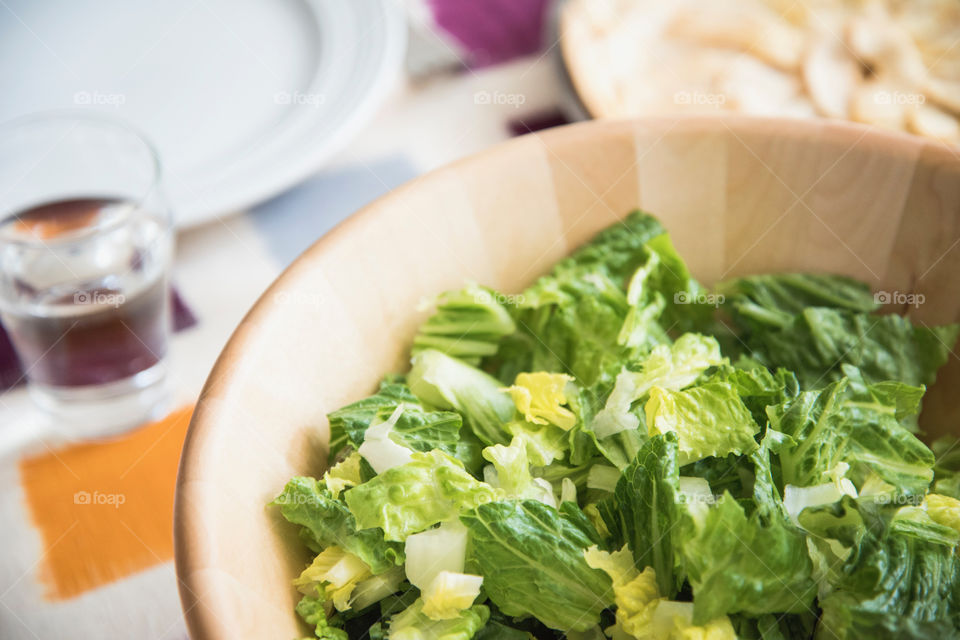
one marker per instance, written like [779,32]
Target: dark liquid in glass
[94,332]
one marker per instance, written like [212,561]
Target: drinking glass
[85,249]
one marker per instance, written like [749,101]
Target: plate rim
[311,157]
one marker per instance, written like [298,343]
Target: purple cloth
[537,121]
[493,31]
[11,373]
[183,317]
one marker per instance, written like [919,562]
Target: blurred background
[271,122]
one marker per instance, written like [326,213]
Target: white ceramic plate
[243,98]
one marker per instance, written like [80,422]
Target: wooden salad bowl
[739,196]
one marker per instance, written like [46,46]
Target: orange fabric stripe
[104,509]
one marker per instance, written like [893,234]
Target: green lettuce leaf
[819,341]
[771,300]
[348,424]
[540,397]
[413,624]
[468,324]
[511,473]
[860,424]
[448,383]
[311,609]
[450,593]
[416,428]
[946,470]
[642,612]
[644,509]
[775,627]
[348,472]
[497,630]
[532,562]
[901,582]
[687,306]
[709,420]
[545,442]
[346,581]
[328,521]
[847,623]
[621,248]
[738,563]
[815,422]
[432,488]
[501,627]
[758,387]
[578,320]
[570,322]
[672,367]
[879,441]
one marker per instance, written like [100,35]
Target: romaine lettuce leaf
[375,588]
[328,521]
[841,622]
[620,448]
[819,341]
[635,593]
[672,367]
[433,488]
[621,248]
[758,388]
[901,582]
[435,550]
[946,470]
[449,593]
[774,626]
[944,510]
[916,522]
[603,477]
[820,432]
[413,624]
[467,324]
[415,428]
[644,509]
[578,320]
[732,473]
[642,612]
[540,397]
[687,307]
[544,442]
[771,300]
[344,474]
[311,609]
[448,383]
[337,572]
[860,424]
[569,322]
[498,630]
[502,627]
[532,562]
[766,490]
[511,473]
[348,424]
[379,449]
[425,431]
[736,563]
[879,416]
[709,420]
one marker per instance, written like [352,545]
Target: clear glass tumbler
[85,248]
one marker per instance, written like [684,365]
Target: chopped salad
[619,452]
